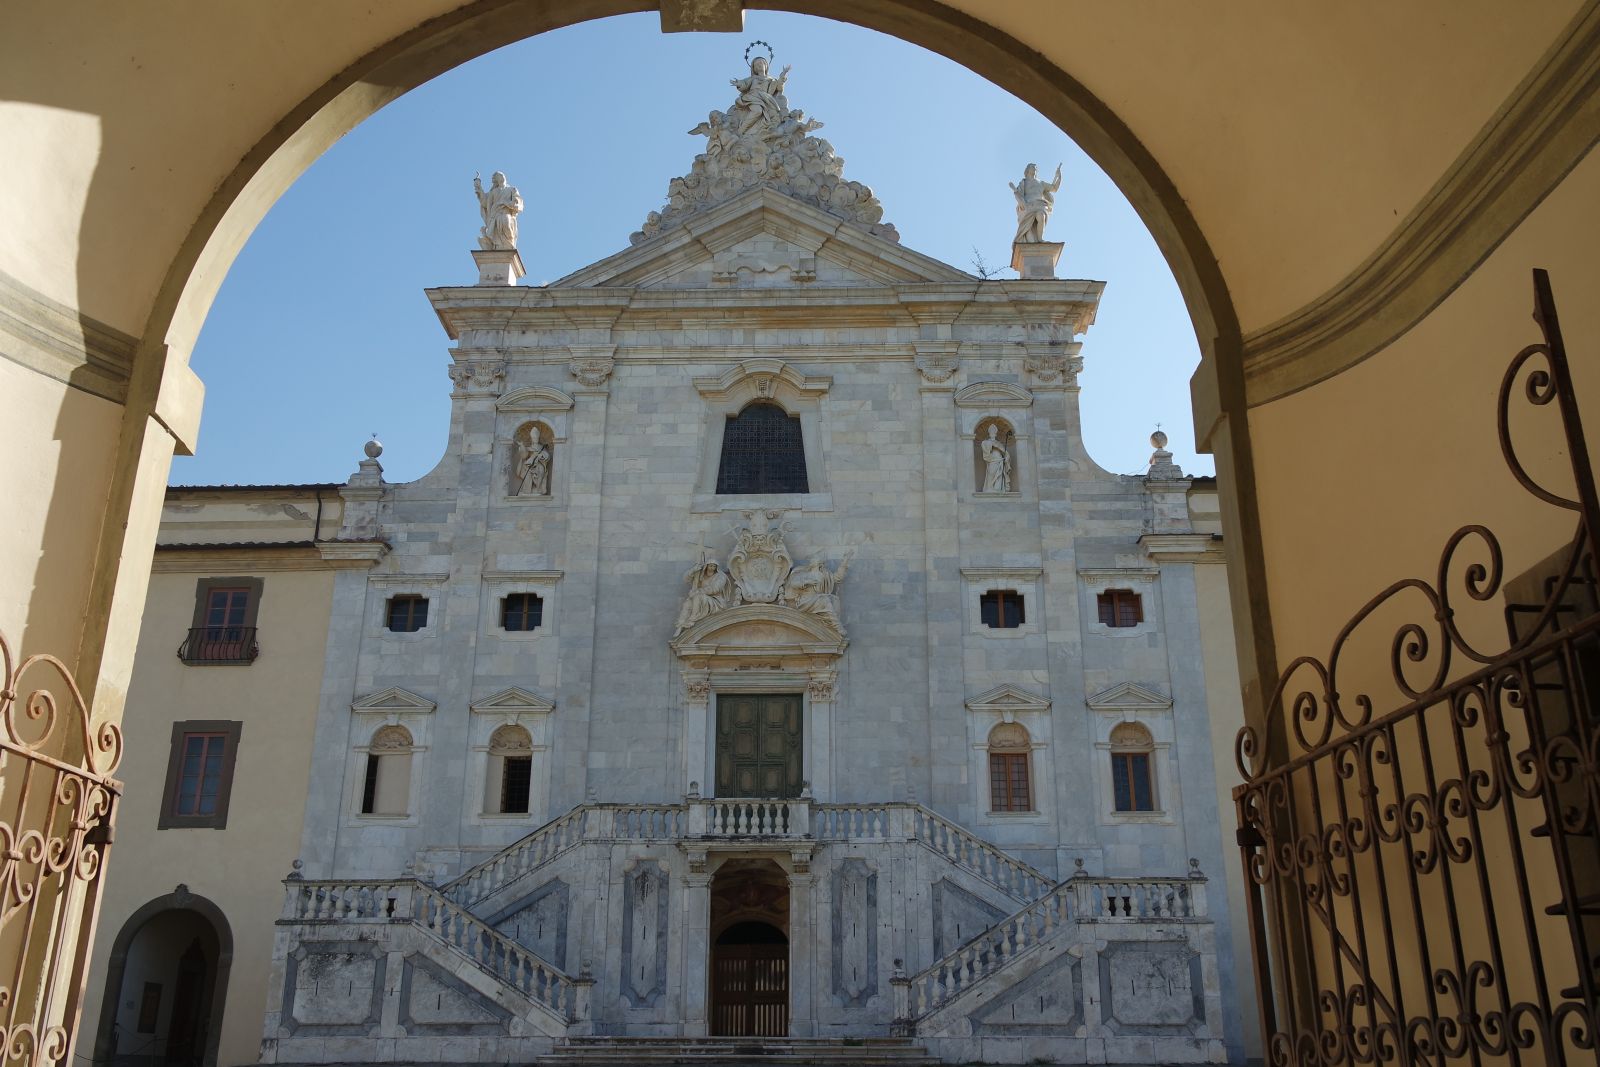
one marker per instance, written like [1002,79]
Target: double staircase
[446,922]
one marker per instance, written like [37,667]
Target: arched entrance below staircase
[750,950]
[166,983]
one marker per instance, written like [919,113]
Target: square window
[1002,609]
[521,612]
[408,614]
[199,775]
[1120,607]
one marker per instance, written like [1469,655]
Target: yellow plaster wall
[1364,477]
[60,448]
[239,868]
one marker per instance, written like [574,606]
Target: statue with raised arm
[814,588]
[710,590]
[996,463]
[760,98]
[1035,200]
[500,204]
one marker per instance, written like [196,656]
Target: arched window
[386,788]
[762,452]
[1132,781]
[509,783]
[1010,785]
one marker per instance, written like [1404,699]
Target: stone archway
[749,960]
[185,941]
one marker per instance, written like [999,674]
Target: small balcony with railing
[220,646]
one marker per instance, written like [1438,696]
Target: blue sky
[321,334]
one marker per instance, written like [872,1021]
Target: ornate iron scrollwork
[1422,844]
[57,801]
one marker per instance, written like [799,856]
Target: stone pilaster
[591,366]
[804,958]
[943,588]
[696,927]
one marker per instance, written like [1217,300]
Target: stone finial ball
[1158,439]
[373,448]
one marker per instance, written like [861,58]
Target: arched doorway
[166,984]
[750,950]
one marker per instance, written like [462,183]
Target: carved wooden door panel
[759,745]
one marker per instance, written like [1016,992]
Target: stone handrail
[945,979]
[500,956]
[1080,899]
[728,817]
[749,817]
[978,856]
[352,901]
[1113,899]
[521,856]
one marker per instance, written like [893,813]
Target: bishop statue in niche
[531,474]
[996,462]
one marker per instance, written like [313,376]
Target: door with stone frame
[760,744]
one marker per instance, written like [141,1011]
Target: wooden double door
[750,982]
[760,745]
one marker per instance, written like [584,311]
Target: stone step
[732,1051]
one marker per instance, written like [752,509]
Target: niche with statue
[994,456]
[532,460]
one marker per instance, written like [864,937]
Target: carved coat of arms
[761,571]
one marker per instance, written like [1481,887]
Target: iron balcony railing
[220,645]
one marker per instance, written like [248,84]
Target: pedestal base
[498,266]
[1036,259]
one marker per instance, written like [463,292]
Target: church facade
[765,658]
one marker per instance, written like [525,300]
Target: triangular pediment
[393,699]
[763,239]
[515,699]
[1128,695]
[1008,696]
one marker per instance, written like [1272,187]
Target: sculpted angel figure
[500,204]
[709,592]
[814,587]
[1035,200]
[533,469]
[718,136]
[996,463]
[759,97]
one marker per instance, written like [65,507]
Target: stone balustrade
[333,901]
[734,817]
[1076,901]
[520,857]
[971,852]
[501,956]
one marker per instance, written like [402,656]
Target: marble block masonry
[916,722]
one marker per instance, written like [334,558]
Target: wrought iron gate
[1423,869]
[57,800]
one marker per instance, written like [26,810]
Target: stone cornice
[1539,134]
[1183,547]
[52,339]
[1066,305]
[256,558]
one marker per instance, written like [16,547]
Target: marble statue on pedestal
[996,463]
[1036,199]
[500,204]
